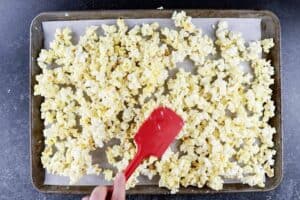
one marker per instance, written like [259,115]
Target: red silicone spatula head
[158,132]
[155,135]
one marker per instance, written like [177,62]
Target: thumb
[119,187]
[99,193]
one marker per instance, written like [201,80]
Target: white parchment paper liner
[249,27]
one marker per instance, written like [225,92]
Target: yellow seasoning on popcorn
[106,86]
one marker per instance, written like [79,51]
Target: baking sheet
[249,27]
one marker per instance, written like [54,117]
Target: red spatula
[154,136]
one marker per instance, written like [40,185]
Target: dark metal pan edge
[211,13]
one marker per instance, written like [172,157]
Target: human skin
[100,192]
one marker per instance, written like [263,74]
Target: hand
[100,192]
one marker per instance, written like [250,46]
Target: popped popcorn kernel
[106,85]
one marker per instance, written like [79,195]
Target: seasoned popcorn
[107,85]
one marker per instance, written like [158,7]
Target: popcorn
[108,174]
[107,85]
[183,21]
[267,44]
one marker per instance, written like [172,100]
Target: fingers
[119,187]
[99,193]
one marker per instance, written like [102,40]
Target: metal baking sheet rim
[270,28]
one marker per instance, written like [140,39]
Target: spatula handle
[134,163]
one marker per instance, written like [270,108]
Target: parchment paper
[249,27]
